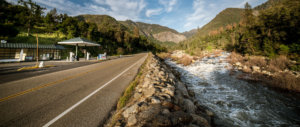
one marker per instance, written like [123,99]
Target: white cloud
[168,4]
[119,9]
[151,12]
[199,15]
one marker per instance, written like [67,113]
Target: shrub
[174,58]
[256,61]
[235,57]
[185,60]
[281,63]
[120,51]
[283,49]
[164,55]
[287,81]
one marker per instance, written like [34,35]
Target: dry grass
[280,63]
[131,88]
[279,79]
[175,58]
[164,55]
[286,81]
[235,57]
[185,60]
[256,61]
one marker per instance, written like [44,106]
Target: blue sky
[181,15]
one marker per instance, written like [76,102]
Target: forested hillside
[228,16]
[271,32]
[26,19]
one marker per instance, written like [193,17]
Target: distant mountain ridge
[158,32]
[152,31]
[190,33]
[227,17]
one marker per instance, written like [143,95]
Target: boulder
[189,106]
[150,112]
[165,111]
[167,104]
[180,117]
[149,92]
[131,120]
[237,64]
[130,110]
[200,121]
[161,121]
[155,100]
[181,87]
[137,96]
[168,91]
[255,68]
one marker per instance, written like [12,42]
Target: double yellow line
[49,84]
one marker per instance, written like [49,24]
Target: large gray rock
[150,112]
[200,121]
[149,92]
[189,106]
[180,117]
[155,100]
[131,120]
[181,87]
[168,91]
[256,68]
[131,110]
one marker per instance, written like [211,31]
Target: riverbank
[161,99]
[275,73]
[234,101]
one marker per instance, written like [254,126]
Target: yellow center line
[50,84]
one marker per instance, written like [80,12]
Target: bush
[286,81]
[235,57]
[283,50]
[120,51]
[279,63]
[164,55]
[185,60]
[256,61]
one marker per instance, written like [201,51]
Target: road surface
[82,96]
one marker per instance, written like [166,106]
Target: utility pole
[37,50]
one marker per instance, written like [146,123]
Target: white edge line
[87,97]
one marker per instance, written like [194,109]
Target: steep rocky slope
[169,37]
[155,31]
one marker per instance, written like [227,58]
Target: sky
[181,15]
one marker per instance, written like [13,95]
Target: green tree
[31,15]
[51,20]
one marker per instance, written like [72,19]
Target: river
[237,102]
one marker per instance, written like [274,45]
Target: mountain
[104,22]
[268,4]
[226,17]
[190,33]
[229,16]
[158,32]
[153,31]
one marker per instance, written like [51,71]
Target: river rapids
[236,102]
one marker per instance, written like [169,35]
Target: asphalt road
[83,96]
[8,71]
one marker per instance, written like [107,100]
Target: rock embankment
[161,99]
